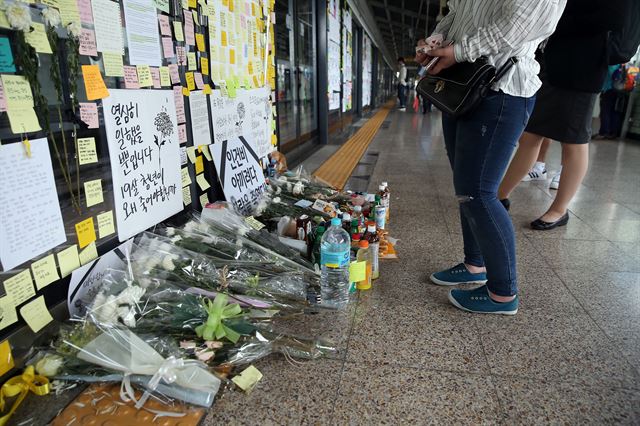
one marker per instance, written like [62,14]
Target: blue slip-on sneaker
[459,274]
[479,302]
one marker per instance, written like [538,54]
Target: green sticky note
[248,379]
[358,271]
[231,88]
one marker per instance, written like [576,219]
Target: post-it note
[198,79]
[6,357]
[37,38]
[86,232]
[93,82]
[191,61]
[87,151]
[10,315]
[88,44]
[248,379]
[177,31]
[68,260]
[155,77]
[204,66]
[191,85]
[191,153]
[173,73]
[358,271]
[144,76]
[206,152]
[204,200]
[44,271]
[105,224]
[131,77]
[182,133]
[20,287]
[36,314]
[93,192]
[165,80]
[88,254]
[200,42]
[199,165]
[167,47]
[186,195]
[206,89]
[186,179]
[113,65]
[202,182]
[89,115]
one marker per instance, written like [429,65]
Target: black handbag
[460,88]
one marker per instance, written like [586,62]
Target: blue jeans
[402,95]
[479,147]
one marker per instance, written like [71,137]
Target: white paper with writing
[143,39]
[199,118]
[108,26]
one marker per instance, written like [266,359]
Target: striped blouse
[500,29]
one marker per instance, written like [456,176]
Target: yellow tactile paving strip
[338,168]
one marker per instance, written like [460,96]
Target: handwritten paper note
[198,80]
[20,287]
[204,200]
[191,85]
[93,82]
[105,224]
[162,5]
[144,76]
[189,37]
[6,56]
[131,77]
[167,47]
[204,65]
[28,195]
[36,314]
[203,183]
[69,12]
[165,80]
[113,64]
[87,151]
[182,133]
[191,153]
[89,115]
[108,26]
[68,260]
[173,72]
[142,33]
[186,179]
[44,271]
[37,38]
[177,31]
[86,232]
[191,60]
[200,42]
[186,195]
[148,190]
[93,192]
[88,44]
[165,28]
[84,8]
[155,77]
[19,99]
[10,316]
[179,103]
[199,165]
[88,254]
[183,155]
[199,118]
[181,55]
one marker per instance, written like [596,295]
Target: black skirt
[563,115]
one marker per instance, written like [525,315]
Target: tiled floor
[571,355]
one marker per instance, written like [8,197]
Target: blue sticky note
[6,57]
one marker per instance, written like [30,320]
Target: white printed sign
[239,172]
[144,150]
[248,115]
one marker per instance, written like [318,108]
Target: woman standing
[479,144]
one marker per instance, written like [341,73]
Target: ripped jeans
[479,146]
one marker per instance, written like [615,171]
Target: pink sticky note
[131,77]
[89,114]
[179,99]
[182,55]
[182,133]
[3,99]
[165,28]
[88,42]
[173,72]
[155,76]
[189,30]
[167,47]
[84,7]
[198,79]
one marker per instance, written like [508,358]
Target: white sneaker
[535,174]
[402,109]
[555,182]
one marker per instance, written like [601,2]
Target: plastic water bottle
[335,254]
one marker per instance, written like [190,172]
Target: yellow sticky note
[4,22]
[23,120]
[144,75]
[193,4]
[113,65]
[9,314]
[206,152]
[20,287]
[93,192]
[6,357]
[186,179]
[93,82]
[192,64]
[232,56]
[105,224]
[36,314]
[231,89]
[186,91]
[177,31]
[248,379]
[186,195]
[202,182]
[191,153]
[86,232]
[204,66]
[165,79]
[191,84]
[45,271]
[68,260]
[358,271]
[207,89]
[88,254]
[204,200]
[274,140]
[37,38]
[200,42]
[223,38]
[87,151]
[199,165]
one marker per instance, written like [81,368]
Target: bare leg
[528,148]
[543,150]
[575,162]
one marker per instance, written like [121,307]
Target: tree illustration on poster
[240,173]
[143,143]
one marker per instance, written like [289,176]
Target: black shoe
[506,203]
[541,225]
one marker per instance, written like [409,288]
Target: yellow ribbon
[20,386]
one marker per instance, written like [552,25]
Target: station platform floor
[406,356]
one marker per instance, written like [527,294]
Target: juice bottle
[364,255]
[374,245]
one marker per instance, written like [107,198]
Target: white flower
[176,239]
[131,295]
[19,16]
[278,190]
[276,199]
[49,365]
[74,29]
[289,187]
[190,226]
[262,206]
[107,313]
[171,231]
[127,315]
[298,188]
[167,263]
[51,17]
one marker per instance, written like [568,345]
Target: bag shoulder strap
[504,69]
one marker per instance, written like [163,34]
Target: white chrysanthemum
[74,29]
[51,17]
[152,262]
[107,313]
[289,187]
[176,239]
[190,226]
[278,190]
[167,263]
[19,16]
[276,199]
[127,315]
[164,247]
[171,231]
[131,295]
[262,206]
[144,282]
[298,188]
[49,365]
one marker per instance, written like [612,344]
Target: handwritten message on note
[45,271]
[165,28]
[84,8]
[20,287]
[144,76]
[19,101]
[87,151]
[108,26]
[88,44]
[106,225]
[143,147]
[86,232]
[131,77]
[31,220]
[93,82]
[113,64]
[89,115]
[68,260]
[199,118]
[37,38]
[142,32]
[93,192]
[36,314]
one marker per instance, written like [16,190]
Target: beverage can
[381,216]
